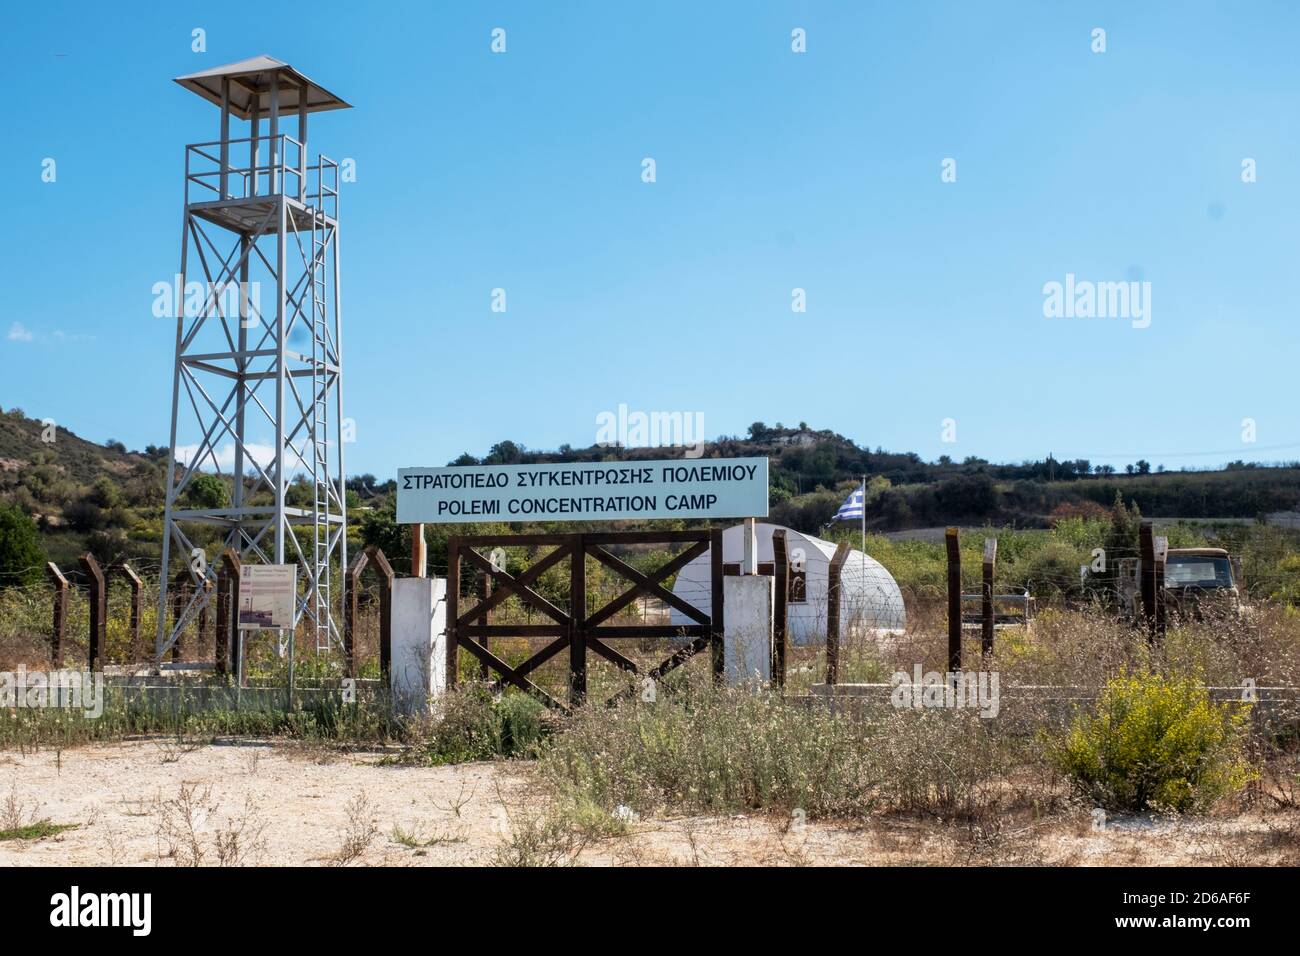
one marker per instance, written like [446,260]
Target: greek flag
[852,509]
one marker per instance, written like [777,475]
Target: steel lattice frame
[240,379]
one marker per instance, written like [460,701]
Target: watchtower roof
[252,77]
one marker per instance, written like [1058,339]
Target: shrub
[949,763]
[472,724]
[21,556]
[1155,742]
[712,751]
[726,749]
[207,491]
[1053,569]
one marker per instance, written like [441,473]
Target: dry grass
[359,832]
[191,831]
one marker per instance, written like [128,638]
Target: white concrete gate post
[749,602]
[419,666]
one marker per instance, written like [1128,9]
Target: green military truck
[1199,583]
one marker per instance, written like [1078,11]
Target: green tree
[504,453]
[301,493]
[21,554]
[1121,542]
[379,527]
[207,491]
[106,494]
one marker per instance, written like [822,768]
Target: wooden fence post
[98,611]
[181,591]
[350,610]
[780,617]
[226,645]
[137,589]
[1161,548]
[717,622]
[236,635]
[380,561]
[484,586]
[206,587]
[1146,538]
[990,560]
[221,638]
[833,613]
[577,614]
[953,545]
[453,609]
[60,613]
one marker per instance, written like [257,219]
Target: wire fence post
[137,592]
[717,612]
[59,633]
[98,611]
[380,561]
[181,588]
[204,586]
[781,571]
[350,611]
[990,560]
[1161,548]
[1146,538]
[236,635]
[953,545]
[833,613]
[227,638]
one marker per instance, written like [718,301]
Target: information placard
[584,491]
[266,596]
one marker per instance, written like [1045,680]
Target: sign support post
[419,552]
[751,548]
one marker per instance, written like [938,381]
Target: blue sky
[775,170]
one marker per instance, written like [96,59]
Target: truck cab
[1199,583]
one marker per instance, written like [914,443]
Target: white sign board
[267,593]
[584,491]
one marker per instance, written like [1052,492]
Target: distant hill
[83,495]
[104,498]
[78,459]
[812,471]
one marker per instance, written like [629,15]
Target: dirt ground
[154,802]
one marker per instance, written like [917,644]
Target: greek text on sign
[584,491]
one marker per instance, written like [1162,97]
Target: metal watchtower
[257,395]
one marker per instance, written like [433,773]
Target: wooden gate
[579,628]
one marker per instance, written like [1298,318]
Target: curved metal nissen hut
[870,601]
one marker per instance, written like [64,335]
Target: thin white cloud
[263,455]
[20,333]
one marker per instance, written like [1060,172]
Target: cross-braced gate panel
[578,628]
